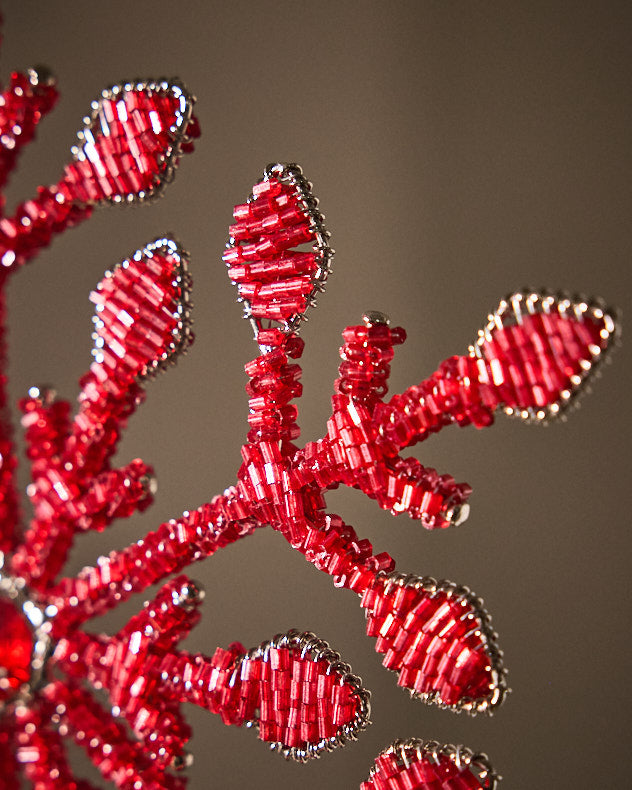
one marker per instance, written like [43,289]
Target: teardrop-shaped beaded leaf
[439,640]
[142,314]
[537,351]
[130,143]
[294,690]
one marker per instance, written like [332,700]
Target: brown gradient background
[460,150]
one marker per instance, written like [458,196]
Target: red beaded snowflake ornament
[531,358]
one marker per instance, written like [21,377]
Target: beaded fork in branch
[434,634]
[294,690]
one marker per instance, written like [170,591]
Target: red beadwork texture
[414,765]
[16,646]
[530,360]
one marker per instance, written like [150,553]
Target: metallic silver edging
[38,620]
[498,688]
[407,751]
[41,75]
[315,649]
[182,335]
[375,318]
[178,130]
[510,311]
[292,175]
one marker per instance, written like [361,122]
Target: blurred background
[460,151]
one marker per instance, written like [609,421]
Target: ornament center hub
[16,649]
[25,642]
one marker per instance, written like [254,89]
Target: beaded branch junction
[532,357]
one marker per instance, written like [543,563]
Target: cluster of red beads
[445,398]
[174,545]
[137,130]
[27,98]
[366,356]
[36,221]
[124,762]
[140,319]
[24,101]
[434,637]
[355,451]
[413,766]
[335,548]
[294,699]
[131,666]
[527,364]
[275,281]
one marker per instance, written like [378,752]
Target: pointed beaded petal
[294,690]
[538,350]
[419,765]
[439,639]
[131,142]
[25,101]
[142,318]
[274,281]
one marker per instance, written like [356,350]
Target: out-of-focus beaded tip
[190,595]
[149,484]
[429,765]
[130,143]
[181,762]
[45,394]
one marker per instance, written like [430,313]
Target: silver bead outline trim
[545,302]
[178,134]
[406,750]
[183,335]
[292,174]
[310,646]
[489,640]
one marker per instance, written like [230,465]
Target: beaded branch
[531,359]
